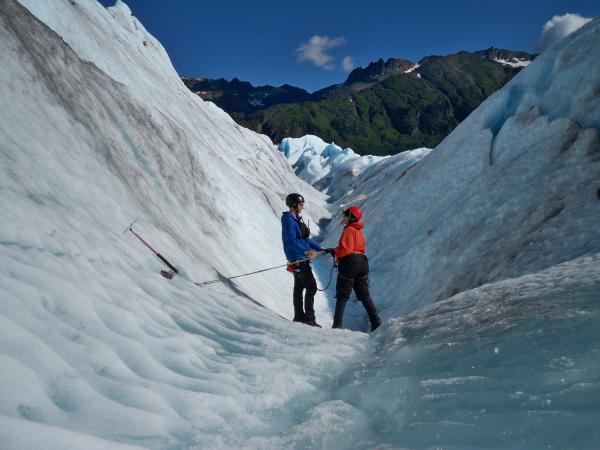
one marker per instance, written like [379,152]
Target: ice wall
[97,350]
[102,102]
[513,190]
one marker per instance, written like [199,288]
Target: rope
[333,266]
[206,283]
[175,271]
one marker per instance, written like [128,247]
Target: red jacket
[351,240]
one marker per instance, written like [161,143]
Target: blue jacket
[295,245]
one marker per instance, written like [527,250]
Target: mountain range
[384,108]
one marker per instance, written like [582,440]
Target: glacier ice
[485,258]
[512,364]
[509,192]
[327,166]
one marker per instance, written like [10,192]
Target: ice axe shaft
[158,255]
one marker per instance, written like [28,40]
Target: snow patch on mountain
[513,62]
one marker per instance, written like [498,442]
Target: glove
[311,254]
[331,251]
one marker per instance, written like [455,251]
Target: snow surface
[99,351]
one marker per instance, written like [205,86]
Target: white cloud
[347,63]
[558,27]
[315,50]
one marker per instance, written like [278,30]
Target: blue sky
[258,41]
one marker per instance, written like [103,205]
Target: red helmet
[354,212]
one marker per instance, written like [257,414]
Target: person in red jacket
[353,269]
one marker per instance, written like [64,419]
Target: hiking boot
[299,319]
[313,323]
[376,324]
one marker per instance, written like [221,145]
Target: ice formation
[331,168]
[317,162]
[488,246]
[513,190]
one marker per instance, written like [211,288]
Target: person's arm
[291,243]
[286,239]
[346,244]
[313,245]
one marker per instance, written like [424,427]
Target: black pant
[353,273]
[304,279]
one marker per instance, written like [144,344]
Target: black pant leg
[343,289]
[304,310]
[361,288]
[310,284]
[298,291]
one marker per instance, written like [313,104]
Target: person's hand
[311,254]
[331,251]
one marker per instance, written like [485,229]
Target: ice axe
[158,255]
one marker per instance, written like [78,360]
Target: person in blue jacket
[297,246]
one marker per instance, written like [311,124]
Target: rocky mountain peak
[378,70]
